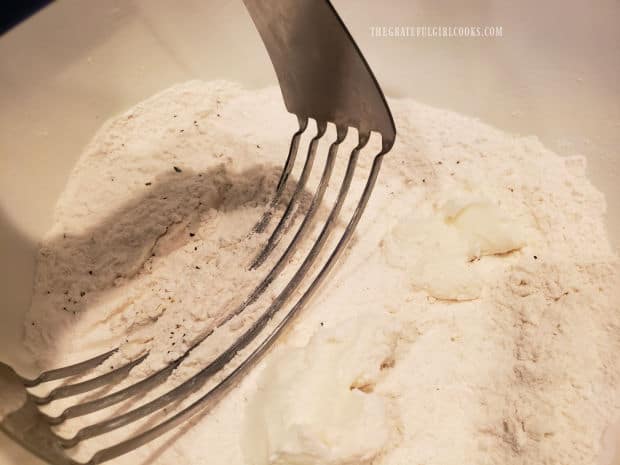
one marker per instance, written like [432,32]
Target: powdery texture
[480,278]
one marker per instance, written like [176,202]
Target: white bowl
[554,74]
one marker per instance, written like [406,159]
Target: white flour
[474,319]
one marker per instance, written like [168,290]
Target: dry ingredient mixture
[473,321]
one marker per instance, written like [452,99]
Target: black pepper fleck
[147,183]
[177,169]
[197,267]
[535,257]
[192,234]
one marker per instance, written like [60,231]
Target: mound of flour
[473,320]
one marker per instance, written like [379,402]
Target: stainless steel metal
[25,425]
[286,171]
[301,186]
[90,384]
[324,77]
[68,371]
[321,71]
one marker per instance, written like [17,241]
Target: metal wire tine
[145,384]
[198,380]
[341,133]
[65,372]
[301,185]
[286,171]
[229,381]
[113,398]
[139,387]
[24,426]
[89,384]
[292,154]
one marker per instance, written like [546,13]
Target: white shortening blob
[437,249]
[316,404]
